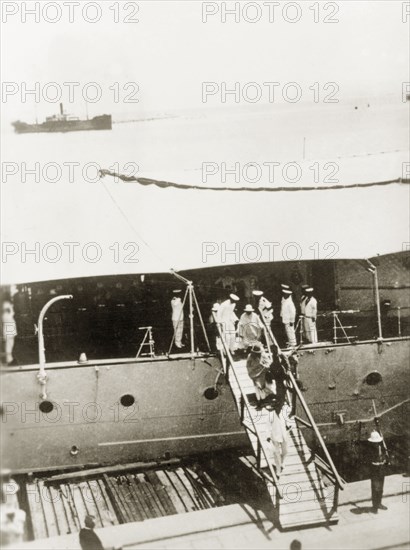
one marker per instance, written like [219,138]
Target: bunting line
[183,186]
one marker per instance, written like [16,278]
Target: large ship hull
[103,122]
[172,416]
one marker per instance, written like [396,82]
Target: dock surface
[243,526]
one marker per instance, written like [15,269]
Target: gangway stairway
[299,495]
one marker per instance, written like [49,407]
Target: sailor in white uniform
[177,317]
[302,304]
[9,330]
[288,315]
[227,319]
[309,320]
[264,306]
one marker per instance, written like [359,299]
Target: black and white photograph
[205,275]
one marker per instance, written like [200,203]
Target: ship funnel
[61,109]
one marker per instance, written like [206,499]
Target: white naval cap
[234,297]
[257,292]
[375,437]
[287,292]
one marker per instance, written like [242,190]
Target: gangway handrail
[306,409]
[314,427]
[245,403]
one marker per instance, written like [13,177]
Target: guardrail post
[227,368]
[336,497]
[258,454]
[242,407]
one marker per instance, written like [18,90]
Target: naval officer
[177,317]
[227,319]
[288,315]
[310,315]
[378,463]
[264,306]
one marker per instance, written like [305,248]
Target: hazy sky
[170,52]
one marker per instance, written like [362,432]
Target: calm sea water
[176,147]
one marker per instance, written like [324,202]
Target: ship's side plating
[127,410]
[115,411]
[340,384]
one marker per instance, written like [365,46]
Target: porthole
[46,407]
[127,400]
[373,378]
[211,393]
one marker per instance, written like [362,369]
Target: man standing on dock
[89,540]
[288,315]
[378,462]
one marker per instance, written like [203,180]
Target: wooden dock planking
[201,489]
[140,486]
[161,492]
[49,512]
[177,501]
[138,496]
[124,496]
[214,491]
[88,500]
[127,497]
[115,500]
[36,511]
[131,496]
[69,525]
[70,506]
[78,503]
[189,488]
[91,489]
[155,498]
[180,488]
[113,469]
[150,499]
[59,511]
[110,517]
